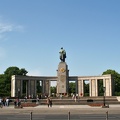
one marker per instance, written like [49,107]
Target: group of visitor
[4,102]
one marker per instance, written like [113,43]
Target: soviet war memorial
[29,85]
[59,59]
[33,93]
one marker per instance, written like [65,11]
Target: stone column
[26,88]
[13,86]
[108,86]
[93,87]
[21,88]
[43,86]
[96,93]
[112,84]
[29,91]
[76,82]
[18,87]
[80,88]
[33,88]
[90,88]
[47,87]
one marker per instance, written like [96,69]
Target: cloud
[8,27]
[5,28]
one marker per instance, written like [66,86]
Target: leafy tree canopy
[112,72]
[5,79]
[15,71]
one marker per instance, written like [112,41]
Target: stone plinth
[62,82]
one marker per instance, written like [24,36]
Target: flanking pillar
[107,83]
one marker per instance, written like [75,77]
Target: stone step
[70,101]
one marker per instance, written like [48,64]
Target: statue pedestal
[62,82]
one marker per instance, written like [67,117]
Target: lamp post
[104,89]
[18,102]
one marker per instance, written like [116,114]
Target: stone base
[62,74]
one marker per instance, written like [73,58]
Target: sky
[33,31]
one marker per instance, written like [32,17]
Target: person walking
[4,101]
[48,101]
[7,102]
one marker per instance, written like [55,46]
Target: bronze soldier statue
[62,55]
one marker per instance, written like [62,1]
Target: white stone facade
[17,83]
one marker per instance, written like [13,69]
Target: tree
[86,89]
[100,88]
[15,71]
[5,79]
[72,87]
[2,84]
[39,88]
[53,89]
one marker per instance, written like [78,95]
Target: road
[61,113]
[59,117]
